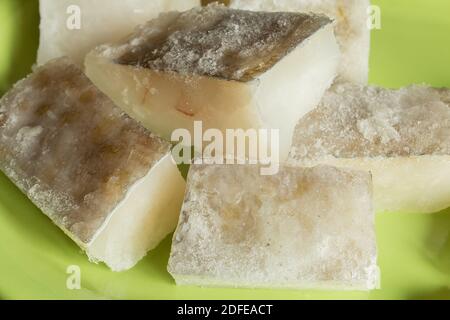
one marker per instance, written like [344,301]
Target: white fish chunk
[304,228]
[111,185]
[230,69]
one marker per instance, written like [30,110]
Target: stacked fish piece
[91,150]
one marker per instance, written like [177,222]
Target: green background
[414,250]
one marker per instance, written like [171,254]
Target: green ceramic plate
[414,250]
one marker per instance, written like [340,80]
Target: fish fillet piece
[304,228]
[74,27]
[230,69]
[105,180]
[401,136]
[352,31]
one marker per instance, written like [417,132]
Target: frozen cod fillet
[401,136]
[100,21]
[351,28]
[303,228]
[230,69]
[102,178]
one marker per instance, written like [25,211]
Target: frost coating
[223,43]
[303,228]
[67,146]
[401,136]
[354,121]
